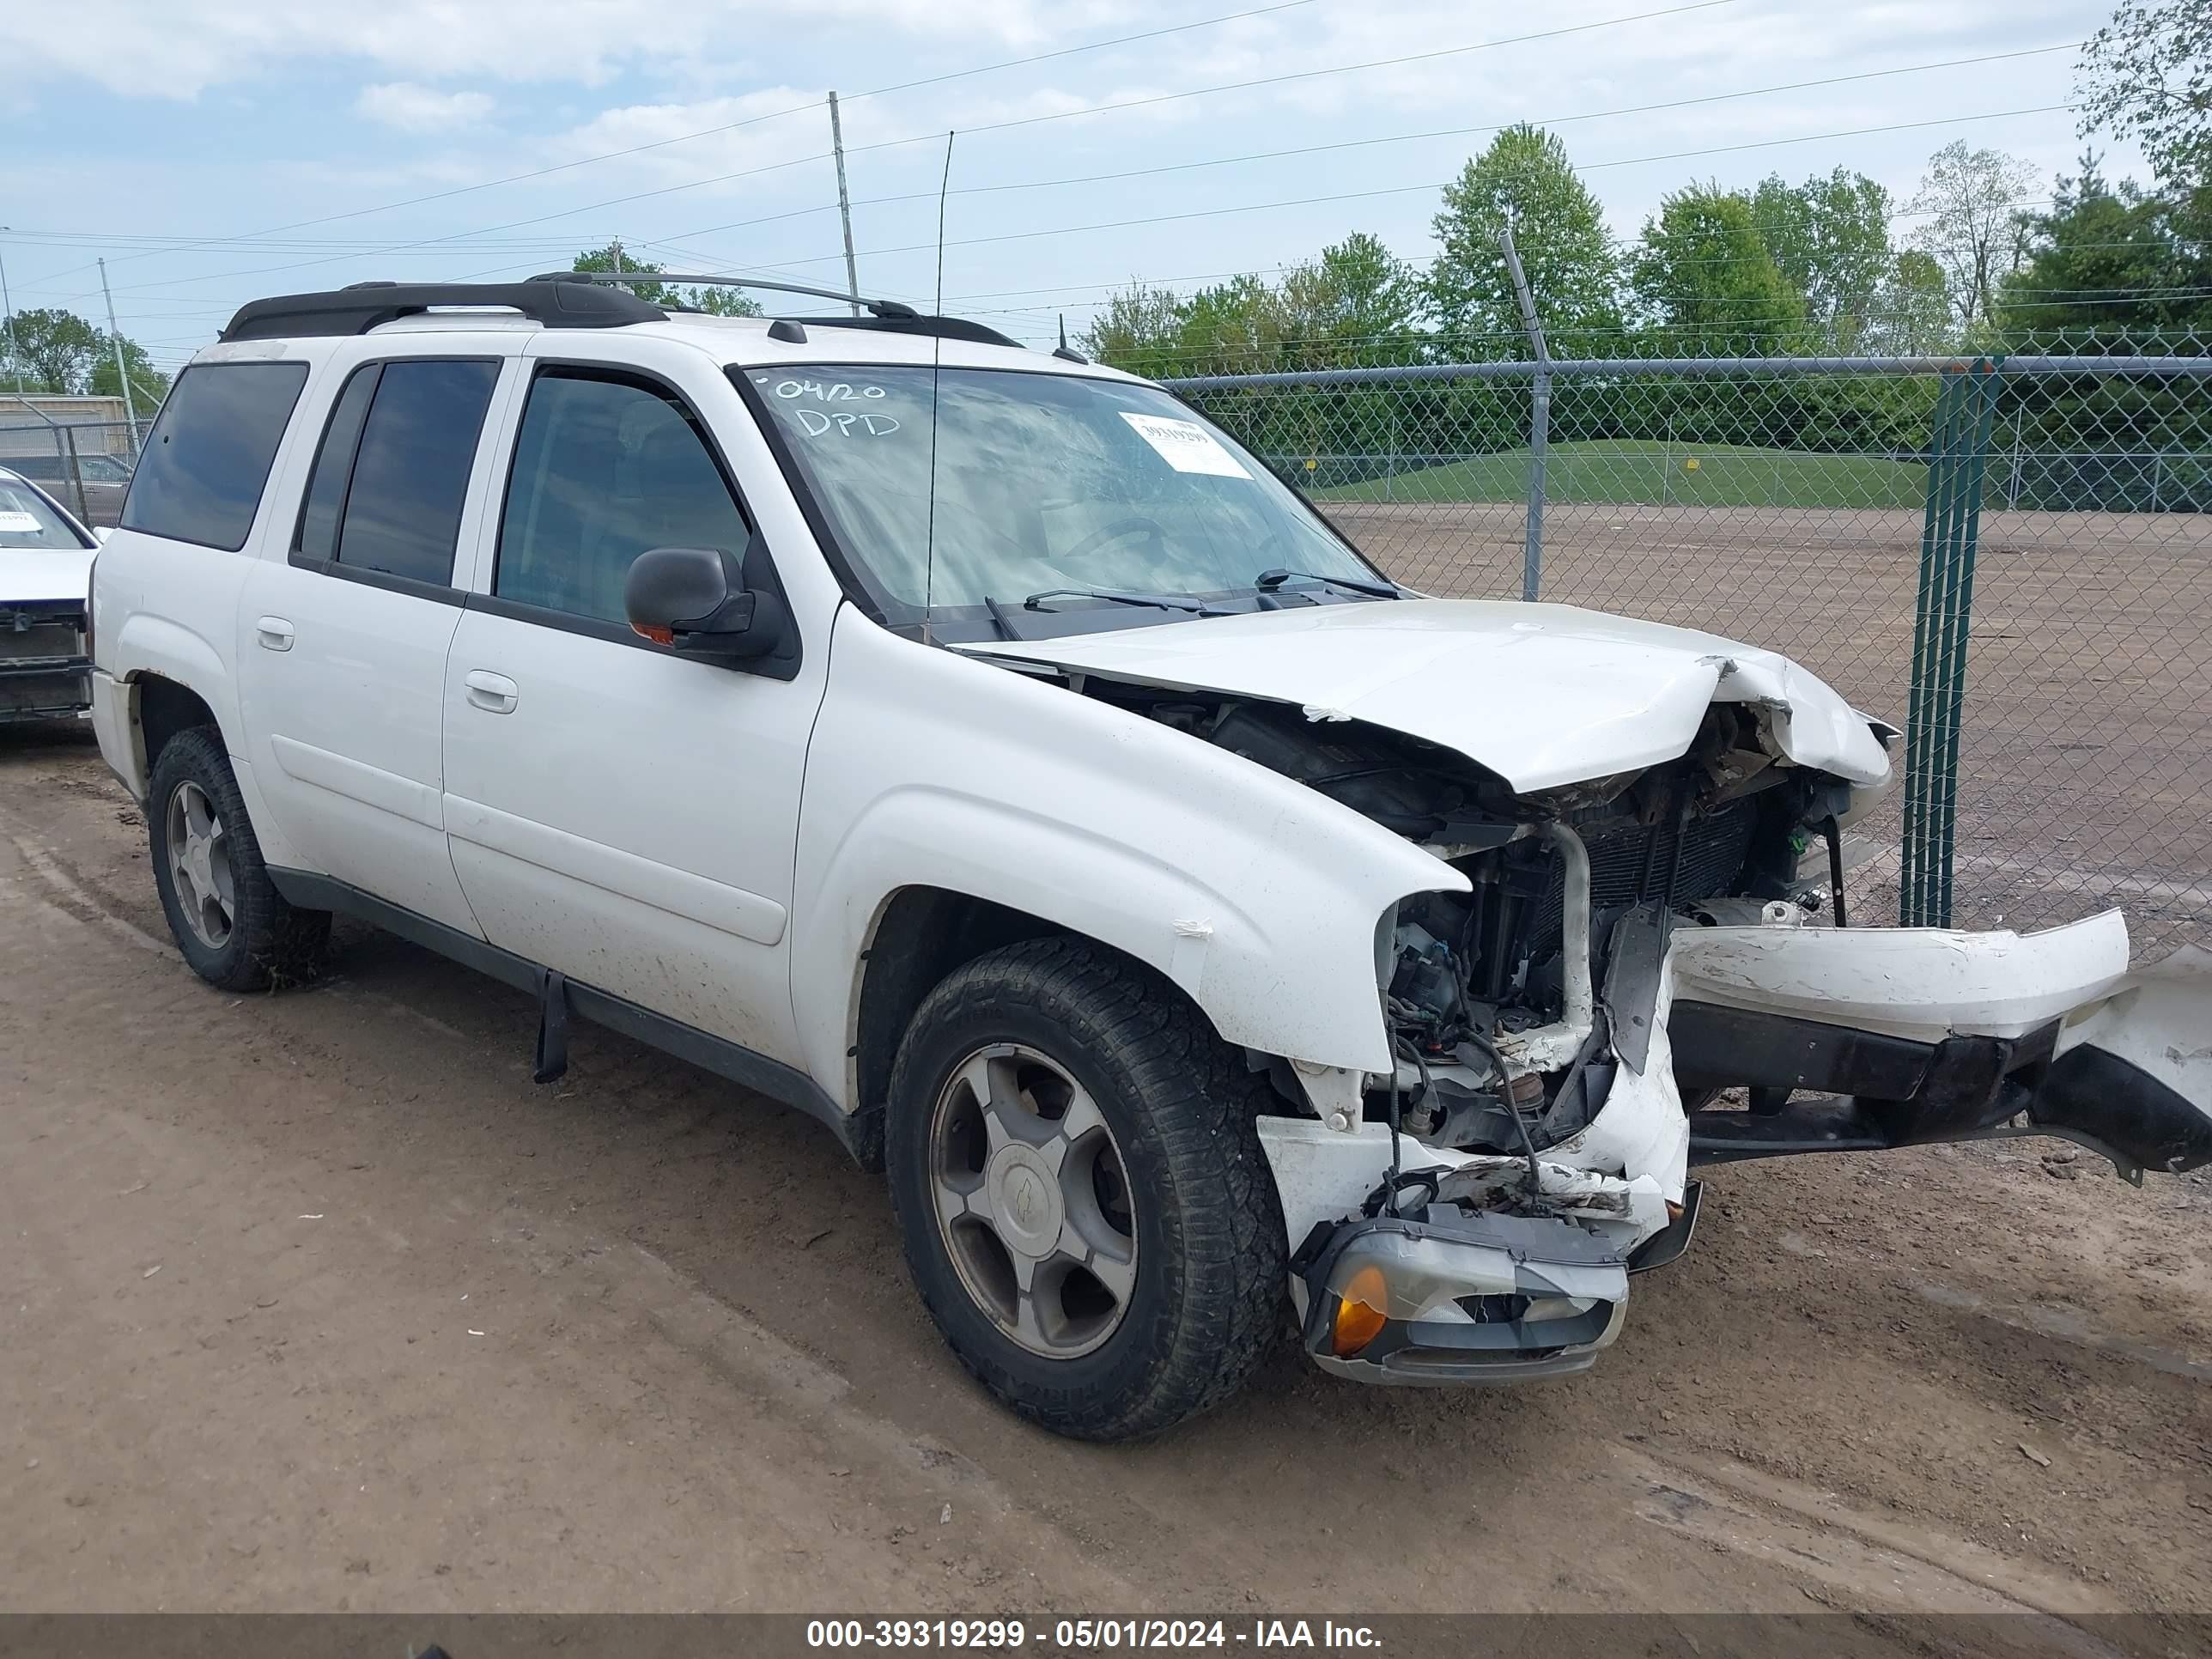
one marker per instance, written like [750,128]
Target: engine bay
[1496,998]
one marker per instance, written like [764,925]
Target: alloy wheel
[1032,1201]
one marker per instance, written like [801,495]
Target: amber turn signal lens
[1359,1315]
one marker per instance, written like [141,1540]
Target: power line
[1400,190]
[1315,201]
[1393,138]
[481,238]
[794,109]
[514,224]
[930,138]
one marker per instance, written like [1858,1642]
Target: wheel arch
[921,935]
[160,707]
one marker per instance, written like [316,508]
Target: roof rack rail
[874,307]
[888,316]
[944,328]
[359,307]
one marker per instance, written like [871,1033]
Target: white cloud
[158,49]
[413,108]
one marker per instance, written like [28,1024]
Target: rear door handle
[274,632]
[493,693]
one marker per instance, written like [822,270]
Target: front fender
[1258,896]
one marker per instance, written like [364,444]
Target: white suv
[977,751]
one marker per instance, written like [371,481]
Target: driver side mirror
[695,600]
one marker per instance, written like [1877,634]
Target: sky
[215,151]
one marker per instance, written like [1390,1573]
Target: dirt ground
[2085,759]
[315,1302]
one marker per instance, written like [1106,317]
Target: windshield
[27,523]
[1044,482]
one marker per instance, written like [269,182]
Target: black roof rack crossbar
[364,305]
[874,307]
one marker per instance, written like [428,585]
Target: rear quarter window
[207,459]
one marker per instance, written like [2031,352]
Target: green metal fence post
[1941,625]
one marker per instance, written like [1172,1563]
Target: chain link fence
[1793,504]
[1790,503]
[84,465]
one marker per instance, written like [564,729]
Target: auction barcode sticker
[1186,446]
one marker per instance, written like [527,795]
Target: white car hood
[1542,695]
[30,575]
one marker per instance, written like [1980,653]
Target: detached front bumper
[1911,1037]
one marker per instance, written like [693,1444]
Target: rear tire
[234,928]
[1079,1185]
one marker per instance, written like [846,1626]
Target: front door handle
[274,632]
[493,693]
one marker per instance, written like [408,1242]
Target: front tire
[233,928]
[1079,1185]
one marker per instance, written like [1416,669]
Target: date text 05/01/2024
[1086,1635]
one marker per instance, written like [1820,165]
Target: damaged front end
[1644,971]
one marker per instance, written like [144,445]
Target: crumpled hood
[1542,695]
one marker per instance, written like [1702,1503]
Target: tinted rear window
[208,458]
[410,476]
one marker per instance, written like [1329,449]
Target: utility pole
[616,247]
[844,204]
[7,315]
[122,373]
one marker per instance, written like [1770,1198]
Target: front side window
[604,470]
[1042,481]
[207,459]
[392,477]
[28,523]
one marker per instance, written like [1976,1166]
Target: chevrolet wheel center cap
[1025,1200]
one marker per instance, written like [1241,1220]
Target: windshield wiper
[1157,601]
[1269,580]
[1000,619]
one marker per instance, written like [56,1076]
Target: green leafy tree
[1137,329]
[1234,327]
[2109,263]
[1524,178]
[1911,314]
[1358,304]
[2148,73]
[1971,203]
[1703,276]
[715,301]
[56,351]
[149,386]
[1830,237]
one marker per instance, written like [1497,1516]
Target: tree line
[56,351]
[1977,261]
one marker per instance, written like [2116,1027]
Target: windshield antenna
[936,368]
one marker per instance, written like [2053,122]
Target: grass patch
[1629,470]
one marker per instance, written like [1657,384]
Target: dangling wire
[1512,1110]
[936,369]
[1400,1047]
